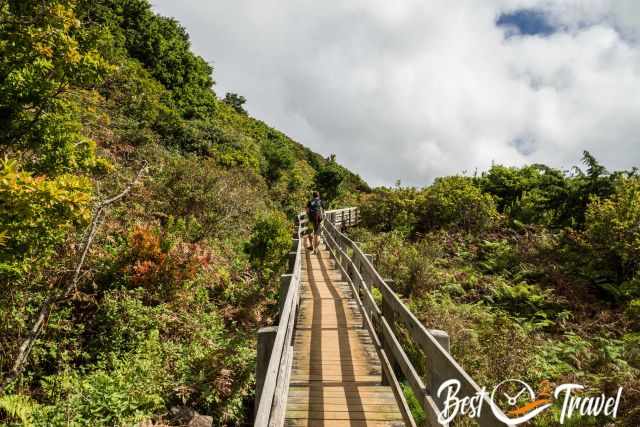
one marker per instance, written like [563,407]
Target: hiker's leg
[313,241]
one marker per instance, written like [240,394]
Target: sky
[413,90]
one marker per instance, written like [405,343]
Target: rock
[187,416]
[182,414]
[201,421]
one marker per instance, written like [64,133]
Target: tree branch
[49,303]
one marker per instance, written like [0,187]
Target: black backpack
[315,210]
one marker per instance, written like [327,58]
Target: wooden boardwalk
[324,363]
[336,377]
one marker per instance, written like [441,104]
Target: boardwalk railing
[275,352]
[388,320]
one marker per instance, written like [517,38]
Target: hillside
[157,318]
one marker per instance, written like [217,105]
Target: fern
[17,407]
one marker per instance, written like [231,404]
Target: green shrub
[391,209]
[456,202]
[538,194]
[329,179]
[223,202]
[632,311]
[521,298]
[497,256]
[37,214]
[269,243]
[278,159]
[119,392]
[17,408]
[613,234]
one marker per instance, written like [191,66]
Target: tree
[162,45]
[612,231]
[44,52]
[329,178]
[236,101]
[456,201]
[278,159]
[269,243]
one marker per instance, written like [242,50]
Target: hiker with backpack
[315,214]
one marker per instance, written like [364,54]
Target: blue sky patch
[530,22]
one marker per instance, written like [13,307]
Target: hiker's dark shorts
[315,225]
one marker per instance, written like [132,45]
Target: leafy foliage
[535,266]
[184,270]
[613,236]
[392,209]
[269,242]
[543,195]
[329,179]
[236,102]
[36,214]
[18,407]
[44,50]
[456,201]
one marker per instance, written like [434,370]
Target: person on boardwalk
[315,214]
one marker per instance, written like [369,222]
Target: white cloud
[411,91]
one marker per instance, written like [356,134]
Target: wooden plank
[344,407]
[385,396]
[349,368]
[338,389]
[344,378]
[335,415]
[341,423]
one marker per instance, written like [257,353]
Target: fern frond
[17,407]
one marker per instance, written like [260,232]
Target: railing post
[390,316]
[266,338]
[365,277]
[443,339]
[293,253]
[285,282]
[358,267]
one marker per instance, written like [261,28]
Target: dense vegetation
[534,266]
[158,319]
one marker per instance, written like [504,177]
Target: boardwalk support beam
[266,338]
